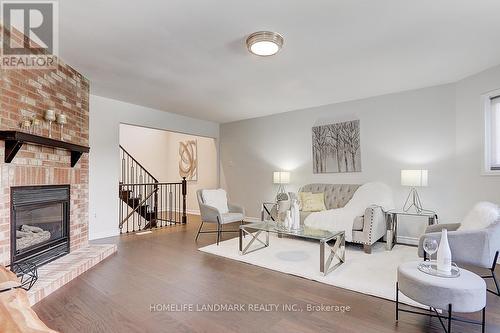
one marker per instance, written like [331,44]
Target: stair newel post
[155,206]
[184,193]
[120,205]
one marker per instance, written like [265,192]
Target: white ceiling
[189,56]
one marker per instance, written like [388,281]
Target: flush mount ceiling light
[264,43]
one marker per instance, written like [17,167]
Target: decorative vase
[444,253]
[295,215]
[288,220]
[62,120]
[50,116]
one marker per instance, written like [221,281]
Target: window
[492,132]
[495,134]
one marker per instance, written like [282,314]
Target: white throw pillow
[481,216]
[216,198]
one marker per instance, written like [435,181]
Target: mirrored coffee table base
[331,244]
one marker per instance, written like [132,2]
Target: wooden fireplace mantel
[14,140]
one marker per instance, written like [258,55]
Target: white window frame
[486,106]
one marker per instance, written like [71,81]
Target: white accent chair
[211,214]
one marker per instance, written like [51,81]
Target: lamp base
[413,200]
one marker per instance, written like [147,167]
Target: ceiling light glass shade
[264,43]
[281,177]
[414,178]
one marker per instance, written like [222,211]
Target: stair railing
[139,212]
[145,203]
[132,171]
[137,207]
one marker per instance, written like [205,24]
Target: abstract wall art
[188,159]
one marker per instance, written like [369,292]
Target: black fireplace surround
[39,223]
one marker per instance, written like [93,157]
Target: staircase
[146,203]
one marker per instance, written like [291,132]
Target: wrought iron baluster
[120,207]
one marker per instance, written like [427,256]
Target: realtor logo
[29,34]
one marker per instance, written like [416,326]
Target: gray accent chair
[211,214]
[469,247]
[367,229]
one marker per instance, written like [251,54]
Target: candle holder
[35,126]
[62,120]
[26,125]
[50,116]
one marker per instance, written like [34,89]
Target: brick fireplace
[26,94]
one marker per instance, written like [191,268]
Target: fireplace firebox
[39,223]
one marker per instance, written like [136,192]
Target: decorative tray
[430,267]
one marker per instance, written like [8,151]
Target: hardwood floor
[165,268]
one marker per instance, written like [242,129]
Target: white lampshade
[414,178]
[281,177]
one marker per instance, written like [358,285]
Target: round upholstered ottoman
[466,293]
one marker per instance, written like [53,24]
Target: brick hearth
[59,272]
[25,94]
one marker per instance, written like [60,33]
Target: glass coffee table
[334,242]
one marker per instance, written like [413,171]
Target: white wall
[138,141]
[438,128]
[163,161]
[105,116]
[413,129]
[470,133]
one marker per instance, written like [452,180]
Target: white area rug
[373,274]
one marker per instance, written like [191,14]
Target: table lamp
[281,178]
[413,179]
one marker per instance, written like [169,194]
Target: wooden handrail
[152,184]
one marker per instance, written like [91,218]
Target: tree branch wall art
[336,147]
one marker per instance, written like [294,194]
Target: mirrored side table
[392,223]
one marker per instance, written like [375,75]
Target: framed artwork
[188,159]
[336,147]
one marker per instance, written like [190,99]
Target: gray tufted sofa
[367,229]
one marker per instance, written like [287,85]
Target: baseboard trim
[193,211]
[189,211]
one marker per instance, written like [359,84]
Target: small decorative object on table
[295,212]
[50,116]
[288,220]
[62,120]
[291,222]
[444,253]
[430,247]
[431,268]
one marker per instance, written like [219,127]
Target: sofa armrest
[470,247]
[234,208]
[374,224]
[209,213]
